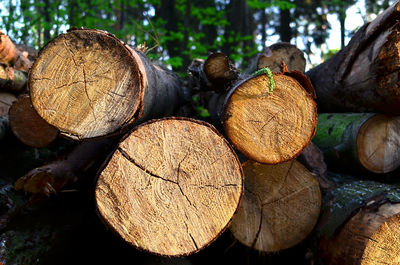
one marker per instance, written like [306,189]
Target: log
[10,55]
[280,206]
[28,126]
[54,176]
[273,56]
[268,127]
[87,83]
[12,80]
[360,223]
[171,187]
[360,141]
[369,237]
[363,76]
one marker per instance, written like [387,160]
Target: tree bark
[10,55]
[87,83]
[268,127]
[364,76]
[363,141]
[280,206]
[182,180]
[360,223]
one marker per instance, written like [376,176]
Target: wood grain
[270,128]
[280,206]
[171,187]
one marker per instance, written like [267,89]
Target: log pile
[127,167]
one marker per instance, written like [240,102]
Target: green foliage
[177,31]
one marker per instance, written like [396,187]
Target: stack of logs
[172,185]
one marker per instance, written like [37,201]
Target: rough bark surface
[363,76]
[270,127]
[171,187]
[87,83]
[280,206]
[28,126]
[360,141]
[6,100]
[360,222]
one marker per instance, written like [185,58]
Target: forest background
[177,31]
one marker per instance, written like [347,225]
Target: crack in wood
[130,159]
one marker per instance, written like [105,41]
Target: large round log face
[79,78]
[280,206]
[270,127]
[171,187]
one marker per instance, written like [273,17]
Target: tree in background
[176,31]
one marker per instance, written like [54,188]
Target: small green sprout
[268,72]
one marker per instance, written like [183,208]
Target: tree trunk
[28,126]
[364,76]
[10,55]
[12,80]
[359,141]
[6,100]
[87,83]
[268,127]
[280,206]
[285,32]
[179,177]
[54,176]
[360,223]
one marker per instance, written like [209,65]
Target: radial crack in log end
[189,215]
[270,128]
[369,237]
[94,97]
[280,207]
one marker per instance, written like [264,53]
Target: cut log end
[280,206]
[78,80]
[270,128]
[219,69]
[171,187]
[28,126]
[378,143]
[369,237]
[273,56]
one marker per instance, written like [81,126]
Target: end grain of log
[370,237]
[273,56]
[280,206]
[28,126]
[171,187]
[268,127]
[87,83]
[367,140]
